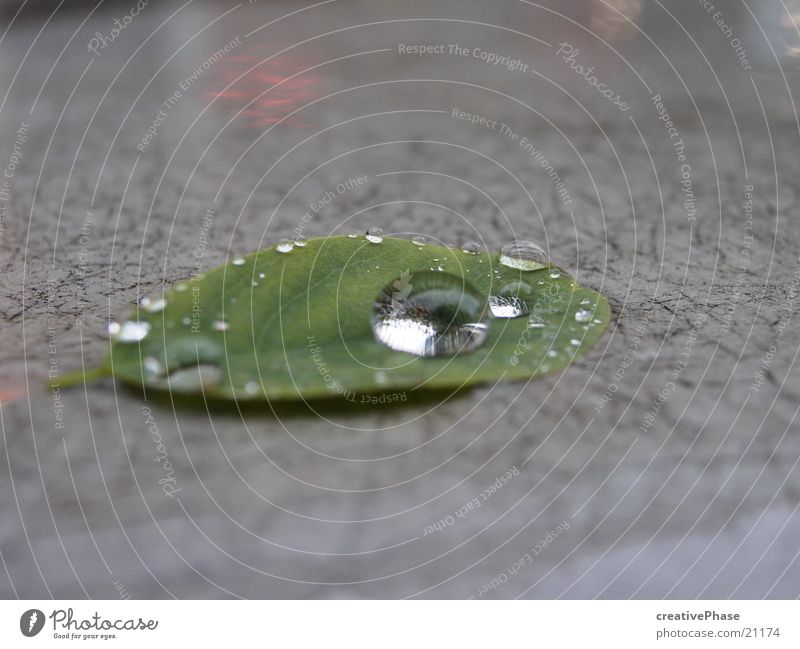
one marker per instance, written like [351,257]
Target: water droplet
[254,283]
[152,368]
[181,287]
[585,301]
[220,325]
[575,342]
[552,353]
[381,378]
[153,304]
[251,388]
[284,246]
[471,247]
[299,241]
[352,235]
[374,235]
[238,261]
[523,255]
[583,315]
[419,241]
[555,275]
[186,320]
[430,314]
[511,306]
[535,324]
[129,331]
[262,275]
[197,377]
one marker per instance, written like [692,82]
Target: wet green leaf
[298,324]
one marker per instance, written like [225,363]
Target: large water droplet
[511,306]
[510,300]
[374,235]
[284,246]
[419,241]
[430,314]
[129,331]
[299,241]
[523,255]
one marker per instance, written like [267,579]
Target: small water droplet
[254,283]
[220,325]
[597,321]
[555,275]
[552,353]
[186,320]
[585,301]
[284,246]
[197,377]
[181,287]
[153,304]
[262,275]
[430,314]
[575,342]
[238,261]
[381,378]
[508,306]
[299,241]
[251,388]
[374,235]
[535,324]
[583,315]
[352,235]
[129,331]
[419,241]
[471,247]
[152,368]
[523,255]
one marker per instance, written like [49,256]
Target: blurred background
[127,127]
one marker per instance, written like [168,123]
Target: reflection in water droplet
[430,314]
[511,300]
[197,377]
[583,315]
[284,246]
[129,331]
[511,306]
[220,325]
[238,261]
[153,304]
[523,255]
[299,241]
[374,235]
[419,241]
[471,247]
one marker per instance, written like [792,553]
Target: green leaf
[298,325]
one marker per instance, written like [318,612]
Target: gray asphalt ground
[662,464]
